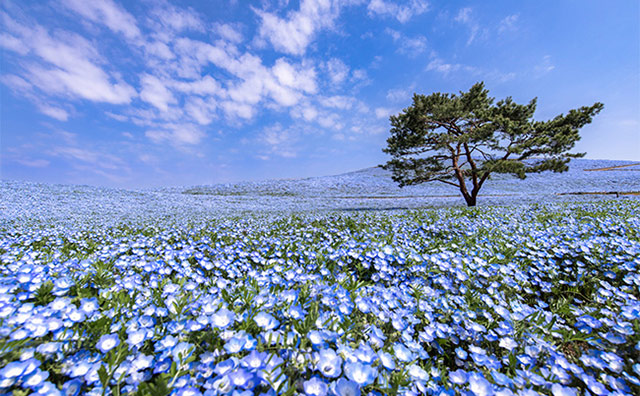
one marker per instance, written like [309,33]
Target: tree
[463,139]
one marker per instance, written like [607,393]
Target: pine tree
[462,139]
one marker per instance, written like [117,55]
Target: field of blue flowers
[529,299]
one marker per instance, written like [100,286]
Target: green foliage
[457,139]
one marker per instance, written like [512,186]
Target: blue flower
[107,342]
[254,360]
[387,360]
[223,318]
[137,337]
[182,351]
[266,321]
[329,363]
[458,377]
[315,387]
[403,353]
[226,366]
[234,344]
[243,378]
[508,343]
[72,387]
[189,391]
[36,378]
[361,374]
[559,390]
[344,387]
[479,385]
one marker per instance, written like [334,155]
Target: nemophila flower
[418,373]
[479,385]
[329,363]
[403,353]
[458,377]
[266,321]
[182,351]
[226,366]
[559,390]
[188,391]
[594,386]
[508,343]
[461,353]
[137,337]
[344,387]
[36,378]
[92,377]
[500,378]
[141,362]
[167,342]
[49,389]
[243,378]
[315,387]
[13,370]
[72,387]
[222,319]
[254,360]
[361,374]
[387,360]
[234,345]
[89,305]
[107,342]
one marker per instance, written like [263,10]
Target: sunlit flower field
[526,299]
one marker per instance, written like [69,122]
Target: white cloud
[117,117]
[384,112]
[402,13]
[441,66]
[13,43]
[68,66]
[297,78]
[229,32]
[338,102]
[293,34]
[108,13]
[279,141]
[203,111]
[235,110]
[401,94]
[508,24]
[95,158]
[252,82]
[156,93]
[410,46]
[544,67]
[338,71]
[309,113]
[204,86]
[38,163]
[465,17]
[54,112]
[331,121]
[360,76]
[177,19]
[159,50]
[177,134]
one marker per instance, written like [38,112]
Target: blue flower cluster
[493,301]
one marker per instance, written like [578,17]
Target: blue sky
[152,93]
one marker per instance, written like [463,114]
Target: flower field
[529,299]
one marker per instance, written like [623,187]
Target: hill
[368,189]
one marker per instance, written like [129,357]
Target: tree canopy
[462,139]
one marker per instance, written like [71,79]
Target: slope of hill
[23,203]
[608,176]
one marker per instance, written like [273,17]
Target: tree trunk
[471,200]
